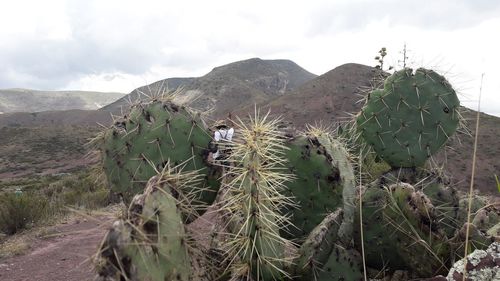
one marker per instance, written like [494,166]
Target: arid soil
[63,256]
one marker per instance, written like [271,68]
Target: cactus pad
[139,145]
[402,223]
[323,175]
[410,118]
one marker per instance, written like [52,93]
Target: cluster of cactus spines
[152,243]
[410,118]
[138,145]
[254,201]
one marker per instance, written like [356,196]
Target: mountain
[155,88]
[25,100]
[226,87]
[327,98]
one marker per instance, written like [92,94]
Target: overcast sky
[120,45]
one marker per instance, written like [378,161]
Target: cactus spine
[254,199]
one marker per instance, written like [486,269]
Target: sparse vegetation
[38,200]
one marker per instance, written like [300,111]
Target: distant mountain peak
[227,86]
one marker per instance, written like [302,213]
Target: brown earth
[63,256]
[44,150]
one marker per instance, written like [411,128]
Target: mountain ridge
[226,86]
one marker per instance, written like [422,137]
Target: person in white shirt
[223,133]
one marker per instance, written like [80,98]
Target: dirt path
[64,256]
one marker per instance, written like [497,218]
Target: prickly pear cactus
[323,257]
[160,238]
[316,249]
[446,203]
[401,222]
[324,181]
[152,243]
[139,145]
[410,118]
[342,265]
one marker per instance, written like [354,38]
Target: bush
[19,211]
[48,197]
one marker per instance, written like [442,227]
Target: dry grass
[21,243]
[14,246]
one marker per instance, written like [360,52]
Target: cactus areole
[410,118]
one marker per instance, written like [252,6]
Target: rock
[480,265]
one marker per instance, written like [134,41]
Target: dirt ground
[62,256]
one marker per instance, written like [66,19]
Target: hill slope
[25,100]
[326,98]
[226,87]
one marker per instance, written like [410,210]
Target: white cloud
[118,45]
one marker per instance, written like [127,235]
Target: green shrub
[19,211]
[48,197]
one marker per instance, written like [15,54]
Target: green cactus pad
[138,146]
[153,243]
[401,222]
[410,118]
[446,202]
[316,249]
[342,265]
[160,251]
[322,169]
[478,206]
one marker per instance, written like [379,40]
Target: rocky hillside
[227,87]
[328,98]
[25,100]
